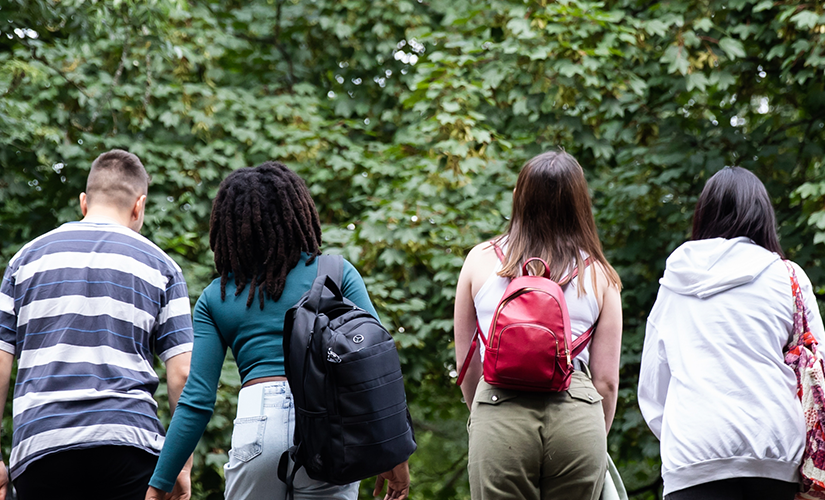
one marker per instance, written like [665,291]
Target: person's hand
[398,482]
[183,486]
[181,491]
[5,484]
[155,494]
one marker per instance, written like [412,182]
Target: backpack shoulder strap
[567,279]
[476,335]
[332,266]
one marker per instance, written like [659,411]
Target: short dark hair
[735,203]
[117,177]
[263,218]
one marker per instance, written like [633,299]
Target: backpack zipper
[332,357]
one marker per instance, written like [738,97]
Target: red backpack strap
[469,356]
[582,340]
[498,250]
[567,279]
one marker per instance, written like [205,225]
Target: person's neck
[106,215]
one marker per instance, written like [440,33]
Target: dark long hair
[262,219]
[552,219]
[735,203]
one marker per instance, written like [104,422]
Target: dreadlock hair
[263,218]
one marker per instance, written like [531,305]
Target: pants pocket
[248,437]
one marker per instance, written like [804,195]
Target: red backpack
[529,344]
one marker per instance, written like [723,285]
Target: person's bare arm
[464,327]
[606,347]
[177,371]
[6,362]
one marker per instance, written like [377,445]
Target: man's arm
[6,362]
[177,372]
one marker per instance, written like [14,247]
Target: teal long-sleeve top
[255,337]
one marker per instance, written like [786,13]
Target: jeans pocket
[248,437]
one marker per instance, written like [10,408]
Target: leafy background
[410,119]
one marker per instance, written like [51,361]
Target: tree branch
[15,82]
[802,142]
[457,473]
[46,63]
[276,42]
[146,93]
[787,126]
[280,46]
[123,56]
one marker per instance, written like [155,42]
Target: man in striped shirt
[84,309]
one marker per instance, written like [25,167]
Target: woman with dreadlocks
[266,235]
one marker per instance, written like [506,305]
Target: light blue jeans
[263,430]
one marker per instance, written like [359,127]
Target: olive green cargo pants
[537,446]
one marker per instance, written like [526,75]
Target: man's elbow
[181,374]
[177,371]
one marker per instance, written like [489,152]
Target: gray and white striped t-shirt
[84,308]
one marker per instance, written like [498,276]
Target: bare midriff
[261,380]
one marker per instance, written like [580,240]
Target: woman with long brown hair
[537,444]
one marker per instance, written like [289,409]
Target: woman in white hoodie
[713,386]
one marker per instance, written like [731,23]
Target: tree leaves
[412,161]
[732,47]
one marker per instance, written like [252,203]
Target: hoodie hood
[706,267]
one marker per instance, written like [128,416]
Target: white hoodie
[713,385]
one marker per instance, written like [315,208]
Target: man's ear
[84,204]
[139,207]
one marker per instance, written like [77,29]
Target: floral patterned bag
[804,358]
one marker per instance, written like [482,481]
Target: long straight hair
[552,219]
[735,203]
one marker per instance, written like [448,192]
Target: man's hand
[398,482]
[5,484]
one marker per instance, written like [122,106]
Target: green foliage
[409,120]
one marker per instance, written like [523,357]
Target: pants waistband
[251,398]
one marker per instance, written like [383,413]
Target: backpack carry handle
[531,259]
[317,291]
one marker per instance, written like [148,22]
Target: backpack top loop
[531,259]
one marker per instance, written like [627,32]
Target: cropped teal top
[255,337]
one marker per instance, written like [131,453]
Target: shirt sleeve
[354,289]
[174,325]
[811,307]
[654,379]
[197,402]
[8,315]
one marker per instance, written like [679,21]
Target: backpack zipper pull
[332,357]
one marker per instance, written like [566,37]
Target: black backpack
[351,417]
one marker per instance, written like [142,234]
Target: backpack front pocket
[532,351]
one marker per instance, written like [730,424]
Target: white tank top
[584,310]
